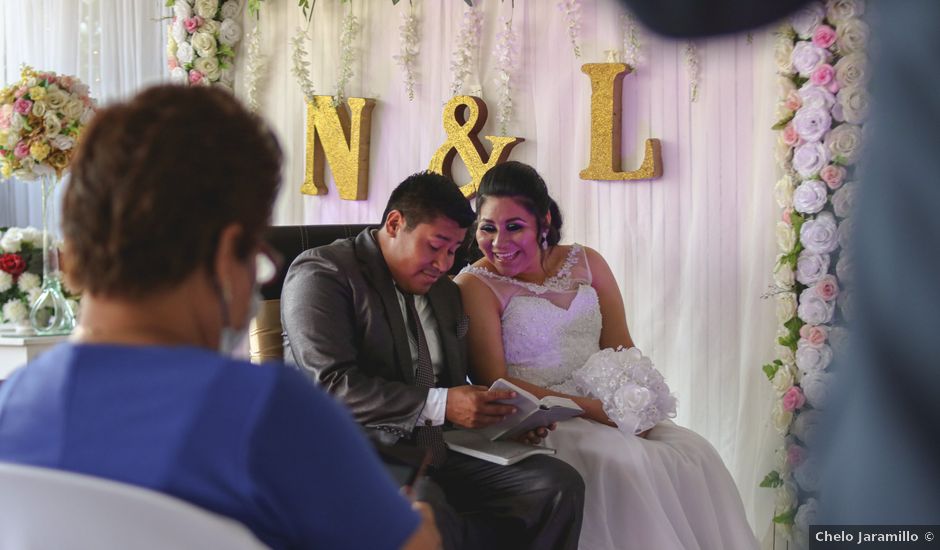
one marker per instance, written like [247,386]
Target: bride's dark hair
[521,182]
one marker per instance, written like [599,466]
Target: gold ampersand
[464,116]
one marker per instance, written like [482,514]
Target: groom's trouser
[537,503]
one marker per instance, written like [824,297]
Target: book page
[525,404]
[531,413]
[542,417]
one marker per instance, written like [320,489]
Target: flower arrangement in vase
[41,119]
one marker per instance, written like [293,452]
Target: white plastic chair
[44,509]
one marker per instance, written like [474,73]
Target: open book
[531,412]
[495,443]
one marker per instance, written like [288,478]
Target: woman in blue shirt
[162,219]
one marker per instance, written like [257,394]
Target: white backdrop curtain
[692,250]
[115,46]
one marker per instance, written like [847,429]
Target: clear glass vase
[50,313]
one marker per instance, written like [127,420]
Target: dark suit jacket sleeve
[319,313]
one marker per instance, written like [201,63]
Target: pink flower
[172,63]
[22,106]
[833,86]
[20,92]
[66,82]
[824,36]
[195,77]
[795,455]
[6,115]
[828,288]
[793,399]
[833,175]
[21,150]
[192,23]
[816,335]
[793,101]
[786,216]
[822,75]
[790,137]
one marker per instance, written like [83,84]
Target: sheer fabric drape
[115,46]
[692,251]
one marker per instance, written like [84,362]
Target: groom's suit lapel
[446,313]
[376,272]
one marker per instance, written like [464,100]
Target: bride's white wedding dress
[668,491]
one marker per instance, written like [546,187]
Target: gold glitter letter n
[606,97]
[342,139]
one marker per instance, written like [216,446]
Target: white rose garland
[201,41]
[823,71]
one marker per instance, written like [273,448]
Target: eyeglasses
[267,264]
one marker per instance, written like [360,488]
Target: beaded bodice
[549,330]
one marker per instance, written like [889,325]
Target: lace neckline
[559,282]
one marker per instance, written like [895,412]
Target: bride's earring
[545,240]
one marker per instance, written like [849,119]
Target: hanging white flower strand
[631,40]
[572,11]
[254,66]
[299,64]
[692,65]
[467,49]
[408,52]
[506,52]
[349,51]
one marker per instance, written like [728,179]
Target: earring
[545,240]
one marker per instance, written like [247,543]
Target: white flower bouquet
[41,117]
[633,392]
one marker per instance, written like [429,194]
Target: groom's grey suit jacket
[344,326]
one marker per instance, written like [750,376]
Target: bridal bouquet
[41,117]
[634,393]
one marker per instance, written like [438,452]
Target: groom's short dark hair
[425,196]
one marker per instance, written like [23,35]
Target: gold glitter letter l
[606,97]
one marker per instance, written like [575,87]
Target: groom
[378,323]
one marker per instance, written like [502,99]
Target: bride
[539,310]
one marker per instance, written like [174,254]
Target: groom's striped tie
[429,437]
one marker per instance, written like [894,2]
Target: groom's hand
[476,407]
